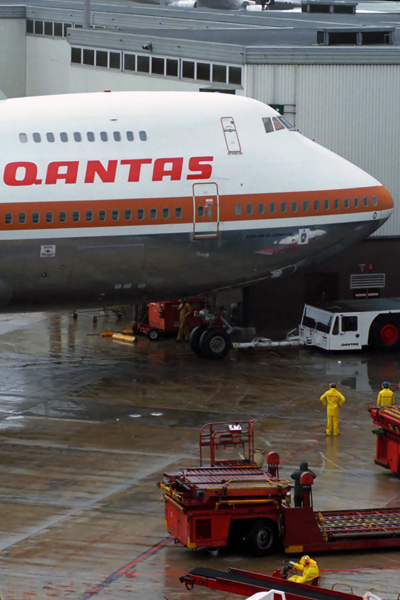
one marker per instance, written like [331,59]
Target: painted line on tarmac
[117,574]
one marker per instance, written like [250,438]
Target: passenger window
[49,217]
[62,216]
[327,204]
[335,328]
[128,214]
[283,207]
[77,136]
[35,217]
[21,218]
[268,125]
[238,209]
[102,215]
[249,209]
[75,216]
[350,323]
[103,136]
[142,136]
[366,201]
[277,124]
[117,136]
[140,213]
[23,138]
[178,212]
[50,137]
[64,136]
[374,200]
[37,137]
[261,208]
[356,202]
[295,207]
[346,203]
[89,215]
[316,204]
[8,218]
[272,207]
[305,205]
[153,213]
[90,136]
[129,136]
[165,213]
[115,214]
[200,211]
[336,204]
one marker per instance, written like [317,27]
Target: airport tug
[233,500]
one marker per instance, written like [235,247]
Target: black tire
[195,336]
[262,538]
[215,343]
[385,333]
[153,334]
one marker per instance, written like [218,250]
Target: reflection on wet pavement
[88,425]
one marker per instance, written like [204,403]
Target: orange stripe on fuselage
[227,209]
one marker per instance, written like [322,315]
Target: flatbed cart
[235,502]
[387,436]
[246,583]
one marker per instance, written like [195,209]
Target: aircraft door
[205,210]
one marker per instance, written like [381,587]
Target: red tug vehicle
[236,501]
[387,436]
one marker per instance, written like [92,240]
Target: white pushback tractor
[352,324]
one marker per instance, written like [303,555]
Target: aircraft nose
[385,201]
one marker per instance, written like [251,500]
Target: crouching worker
[309,568]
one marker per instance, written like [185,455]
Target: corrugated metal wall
[12,57]
[353,110]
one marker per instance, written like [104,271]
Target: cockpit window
[268,125]
[277,124]
[285,123]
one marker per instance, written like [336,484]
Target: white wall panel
[47,65]
[12,57]
[353,110]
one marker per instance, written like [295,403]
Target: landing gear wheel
[215,343]
[262,537]
[195,336]
[153,334]
[385,333]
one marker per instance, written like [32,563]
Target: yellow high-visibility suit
[184,310]
[310,571]
[332,399]
[385,398]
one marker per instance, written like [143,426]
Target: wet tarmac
[88,425]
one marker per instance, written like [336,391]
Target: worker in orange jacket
[184,310]
[385,396]
[309,568]
[332,399]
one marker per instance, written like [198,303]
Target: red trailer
[162,318]
[235,501]
[387,436]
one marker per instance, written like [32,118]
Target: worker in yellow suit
[332,399]
[184,310]
[309,568]
[385,396]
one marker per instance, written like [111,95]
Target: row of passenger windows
[77,136]
[157,65]
[89,216]
[316,205]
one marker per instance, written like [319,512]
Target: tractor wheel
[262,537]
[385,333]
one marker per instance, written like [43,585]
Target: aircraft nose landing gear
[210,340]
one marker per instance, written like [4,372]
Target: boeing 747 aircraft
[131,197]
